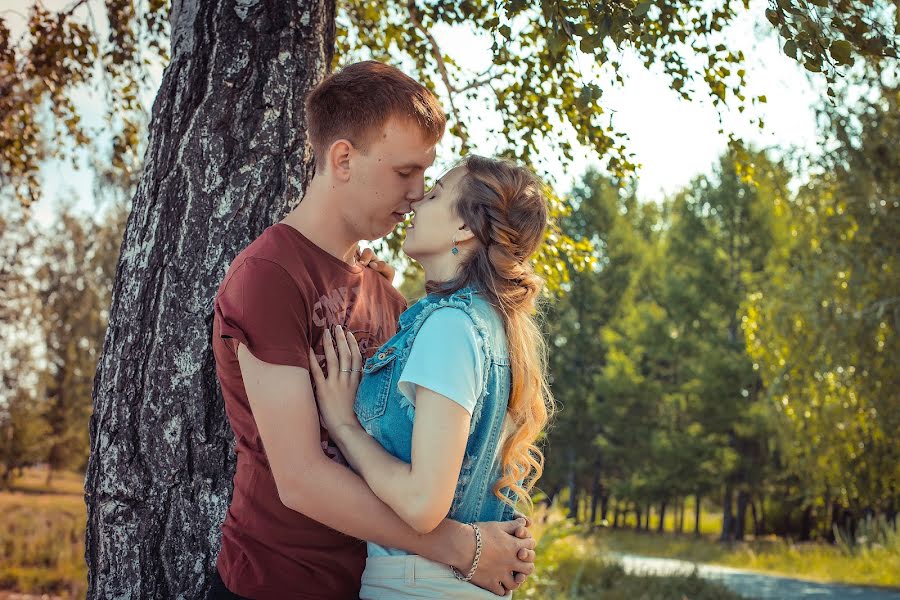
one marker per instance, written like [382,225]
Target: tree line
[737,343]
[55,286]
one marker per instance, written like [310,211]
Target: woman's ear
[464,233]
[339,159]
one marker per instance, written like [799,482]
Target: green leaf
[790,48]
[841,51]
[557,43]
[641,9]
[590,43]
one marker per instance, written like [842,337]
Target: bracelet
[471,573]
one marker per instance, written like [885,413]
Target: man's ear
[339,159]
[464,233]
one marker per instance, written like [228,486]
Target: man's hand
[367,258]
[507,556]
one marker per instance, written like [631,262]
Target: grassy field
[42,536]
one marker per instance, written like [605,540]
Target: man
[298,514]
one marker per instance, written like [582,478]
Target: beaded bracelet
[471,573]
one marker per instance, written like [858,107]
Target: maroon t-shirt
[277,298]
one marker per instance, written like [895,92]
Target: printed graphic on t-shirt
[336,308]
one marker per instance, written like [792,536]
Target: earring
[454,250]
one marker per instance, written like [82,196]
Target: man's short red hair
[356,102]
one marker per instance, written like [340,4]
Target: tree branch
[482,79]
[442,67]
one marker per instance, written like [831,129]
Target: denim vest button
[381,355]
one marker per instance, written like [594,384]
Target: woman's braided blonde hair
[505,207]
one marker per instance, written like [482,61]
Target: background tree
[75,277]
[824,328]
[575,320]
[22,426]
[723,259]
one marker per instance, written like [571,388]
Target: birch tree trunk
[227,157]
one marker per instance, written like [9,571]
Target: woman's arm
[420,493]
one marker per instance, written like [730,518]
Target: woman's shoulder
[465,307]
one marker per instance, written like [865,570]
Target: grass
[42,536]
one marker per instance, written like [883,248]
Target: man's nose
[417,190]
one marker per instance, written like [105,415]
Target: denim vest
[387,415]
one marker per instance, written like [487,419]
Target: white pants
[411,576]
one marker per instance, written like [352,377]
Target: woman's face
[435,224]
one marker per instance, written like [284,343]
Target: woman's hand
[367,258]
[336,393]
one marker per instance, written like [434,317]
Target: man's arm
[284,409]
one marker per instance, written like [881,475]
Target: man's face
[387,178]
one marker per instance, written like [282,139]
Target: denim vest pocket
[372,396]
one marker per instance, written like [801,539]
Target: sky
[672,139]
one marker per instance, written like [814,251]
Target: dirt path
[751,584]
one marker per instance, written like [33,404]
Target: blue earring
[454,250]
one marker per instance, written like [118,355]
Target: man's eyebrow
[410,166]
[439,182]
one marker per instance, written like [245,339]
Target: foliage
[536,80]
[60,287]
[823,328]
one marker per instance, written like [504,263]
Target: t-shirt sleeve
[261,307]
[446,357]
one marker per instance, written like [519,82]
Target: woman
[447,412]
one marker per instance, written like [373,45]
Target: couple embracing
[381,448]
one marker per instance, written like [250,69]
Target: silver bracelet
[471,573]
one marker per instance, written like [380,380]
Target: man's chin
[387,231]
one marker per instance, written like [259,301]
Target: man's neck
[316,218]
